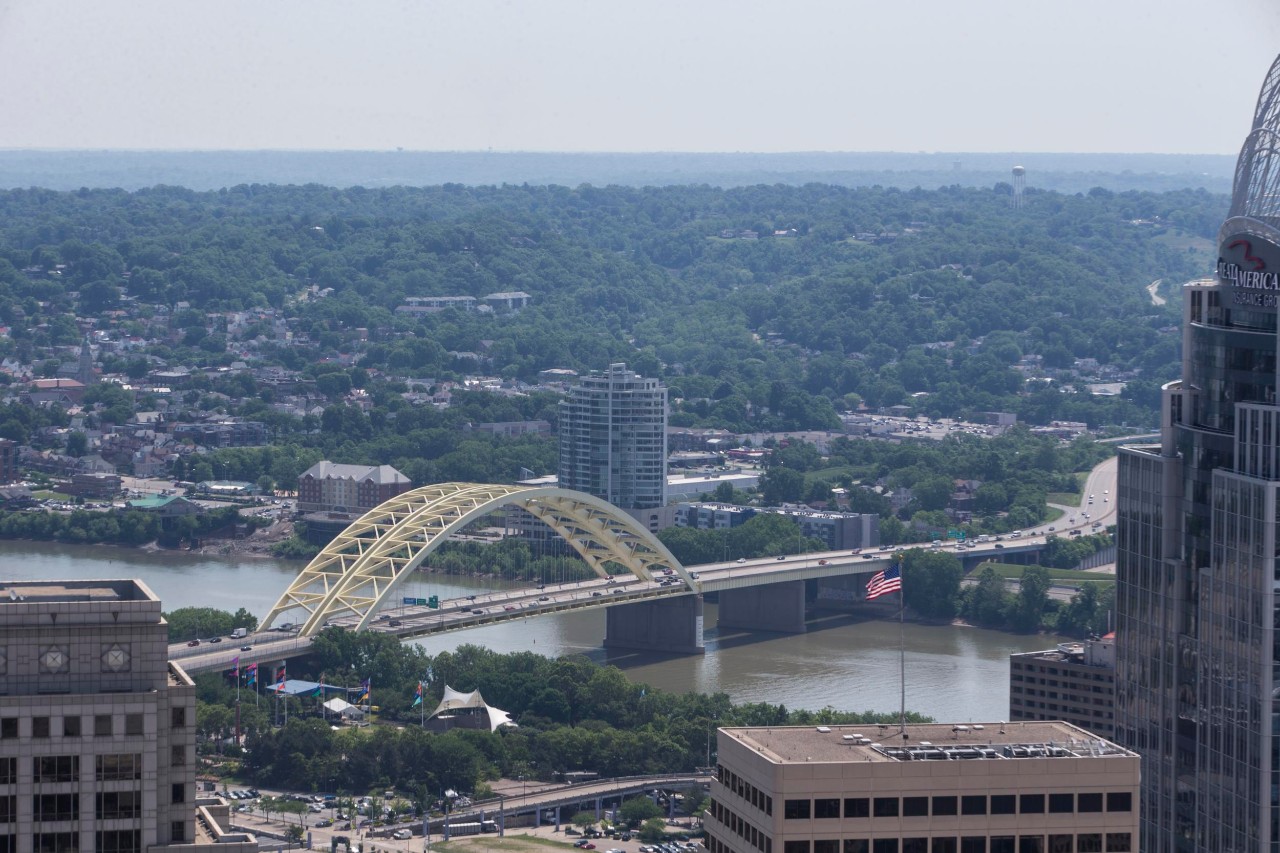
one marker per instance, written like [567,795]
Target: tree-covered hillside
[764,307]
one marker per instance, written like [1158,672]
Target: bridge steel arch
[359,571]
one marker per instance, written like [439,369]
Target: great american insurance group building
[1024,787]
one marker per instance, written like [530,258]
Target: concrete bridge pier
[667,625]
[776,607]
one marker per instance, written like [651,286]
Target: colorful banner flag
[235,662]
[417,696]
[364,692]
[280,679]
[319,691]
[251,674]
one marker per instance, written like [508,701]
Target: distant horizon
[619,152]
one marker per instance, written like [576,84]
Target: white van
[402,835]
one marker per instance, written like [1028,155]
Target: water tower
[1019,184]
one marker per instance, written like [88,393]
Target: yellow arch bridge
[358,573]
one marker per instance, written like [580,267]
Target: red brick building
[334,487]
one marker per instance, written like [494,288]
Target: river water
[954,674]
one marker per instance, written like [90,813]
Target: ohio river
[954,674]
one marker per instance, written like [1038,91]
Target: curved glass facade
[1198,546]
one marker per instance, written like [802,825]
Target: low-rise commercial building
[1075,682]
[940,788]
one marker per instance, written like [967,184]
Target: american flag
[883,583]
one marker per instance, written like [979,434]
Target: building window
[1031,804]
[944,845]
[178,717]
[884,845]
[915,806]
[8,728]
[1089,842]
[178,793]
[1003,844]
[71,727]
[112,805]
[8,771]
[885,807]
[1062,844]
[133,725]
[826,808]
[1004,804]
[1119,842]
[857,807]
[1119,801]
[826,846]
[178,831]
[1031,844]
[56,768]
[857,845]
[795,810]
[40,727]
[102,726]
[119,841]
[944,806]
[1062,803]
[972,804]
[116,768]
[796,847]
[55,807]
[56,842]
[8,809]
[915,845]
[973,844]
[1089,802]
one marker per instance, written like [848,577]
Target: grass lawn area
[47,495]
[1071,498]
[1008,572]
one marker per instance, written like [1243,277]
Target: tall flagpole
[902,650]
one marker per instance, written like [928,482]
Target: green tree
[931,582]
[77,443]
[1032,599]
[637,810]
[989,601]
[653,830]
[782,485]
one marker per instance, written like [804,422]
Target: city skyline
[573,76]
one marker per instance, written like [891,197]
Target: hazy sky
[597,75]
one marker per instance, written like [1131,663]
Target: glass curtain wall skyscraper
[1198,555]
[613,439]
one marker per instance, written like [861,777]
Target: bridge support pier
[667,625]
[776,607]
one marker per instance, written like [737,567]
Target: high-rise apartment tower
[613,439]
[1198,536]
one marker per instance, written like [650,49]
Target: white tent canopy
[344,708]
[454,700]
